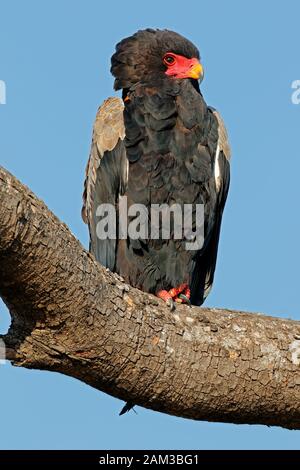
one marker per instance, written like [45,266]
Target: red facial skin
[180,67]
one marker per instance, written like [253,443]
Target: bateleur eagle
[159,144]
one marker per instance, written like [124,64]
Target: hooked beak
[196,71]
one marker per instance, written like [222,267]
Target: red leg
[164,295]
[180,294]
[184,296]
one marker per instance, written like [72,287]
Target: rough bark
[72,316]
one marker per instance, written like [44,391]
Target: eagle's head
[151,55]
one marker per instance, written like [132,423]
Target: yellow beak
[196,72]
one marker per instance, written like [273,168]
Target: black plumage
[164,145]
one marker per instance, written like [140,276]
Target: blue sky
[54,59]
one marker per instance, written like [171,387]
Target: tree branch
[72,316]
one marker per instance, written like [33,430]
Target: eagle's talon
[180,295]
[184,299]
[171,304]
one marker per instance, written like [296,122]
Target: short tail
[127,407]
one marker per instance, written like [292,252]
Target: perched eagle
[158,145]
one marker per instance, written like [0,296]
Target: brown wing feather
[108,129]
[106,175]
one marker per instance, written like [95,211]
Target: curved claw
[184,299]
[171,304]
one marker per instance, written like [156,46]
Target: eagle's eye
[169,60]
